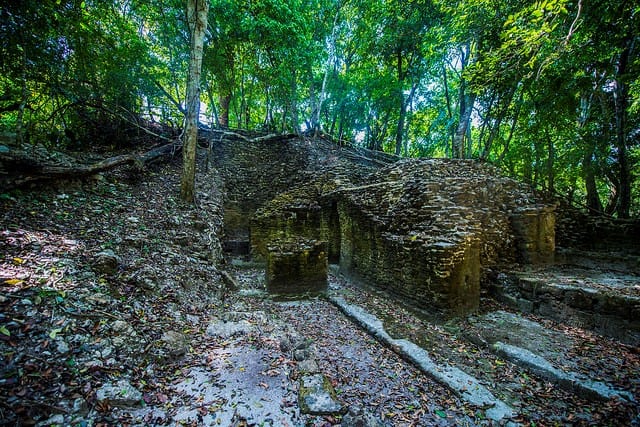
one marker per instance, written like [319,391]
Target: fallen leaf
[5,331]
[54,333]
[441,413]
[13,282]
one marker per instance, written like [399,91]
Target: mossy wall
[281,218]
[442,277]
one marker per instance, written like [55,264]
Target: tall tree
[197,11]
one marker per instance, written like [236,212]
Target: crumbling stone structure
[424,230]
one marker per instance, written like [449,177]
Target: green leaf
[441,413]
[5,331]
[54,333]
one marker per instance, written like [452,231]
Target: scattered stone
[308,366]
[62,347]
[80,407]
[176,343]
[226,330]
[99,299]
[120,395]
[106,262]
[230,283]
[56,420]
[292,343]
[120,326]
[359,417]
[317,396]
[300,355]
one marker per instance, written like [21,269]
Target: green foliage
[553,85]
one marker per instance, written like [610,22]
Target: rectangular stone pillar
[296,266]
[535,231]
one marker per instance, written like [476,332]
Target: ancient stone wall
[612,312]
[425,230]
[253,173]
[257,170]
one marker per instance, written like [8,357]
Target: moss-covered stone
[316,396]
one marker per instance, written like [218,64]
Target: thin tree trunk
[214,112]
[223,118]
[402,112]
[197,17]
[323,90]
[449,111]
[295,123]
[594,205]
[23,99]
[466,108]
[621,94]
[550,162]
[512,128]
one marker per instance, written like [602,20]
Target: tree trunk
[223,117]
[402,112]
[400,127]
[330,59]
[449,112]
[466,108]
[197,17]
[594,205]
[23,99]
[295,119]
[550,162]
[621,95]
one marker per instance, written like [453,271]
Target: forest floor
[115,311]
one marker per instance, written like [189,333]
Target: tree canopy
[548,90]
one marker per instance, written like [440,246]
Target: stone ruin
[427,231]
[296,266]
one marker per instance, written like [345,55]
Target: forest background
[549,90]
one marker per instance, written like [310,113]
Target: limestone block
[534,229]
[296,266]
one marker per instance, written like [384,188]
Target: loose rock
[121,395]
[106,262]
[317,396]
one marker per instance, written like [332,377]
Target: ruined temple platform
[589,289]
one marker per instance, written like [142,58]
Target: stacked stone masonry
[425,230]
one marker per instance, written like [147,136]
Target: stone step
[463,384]
[530,345]
[606,303]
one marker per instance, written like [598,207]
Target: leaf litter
[69,329]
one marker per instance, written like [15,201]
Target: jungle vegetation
[547,90]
